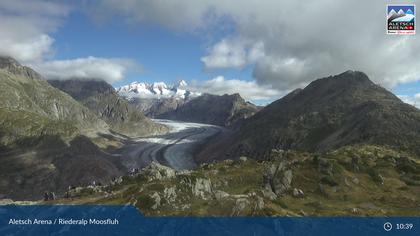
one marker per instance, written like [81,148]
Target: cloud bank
[233,53]
[249,90]
[108,69]
[25,28]
[296,41]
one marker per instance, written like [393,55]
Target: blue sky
[164,55]
[409,89]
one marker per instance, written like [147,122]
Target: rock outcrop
[278,179]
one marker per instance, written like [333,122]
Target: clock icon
[387,226]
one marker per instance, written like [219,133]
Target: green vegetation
[354,180]
[101,98]
[30,108]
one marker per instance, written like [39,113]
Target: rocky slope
[329,113]
[351,181]
[224,110]
[176,102]
[46,137]
[154,108]
[156,98]
[102,99]
[30,107]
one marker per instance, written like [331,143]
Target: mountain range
[31,108]
[156,90]
[50,141]
[340,137]
[176,102]
[329,113]
[101,98]
[225,110]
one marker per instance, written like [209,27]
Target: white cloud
[249,90]
[27,50]
[25,25]
[412,100]
[25,29]
[109,70]
[302,40]
[234,53]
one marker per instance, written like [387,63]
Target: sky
[262,49]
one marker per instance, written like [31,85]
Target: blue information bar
[127,220]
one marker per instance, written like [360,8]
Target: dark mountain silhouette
[224,110]
[329,113]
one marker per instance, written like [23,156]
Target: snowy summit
[156,90]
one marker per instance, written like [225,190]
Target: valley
[342,145]
[175,149]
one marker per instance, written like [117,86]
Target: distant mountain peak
[156,90]
[343,81]
[354,75]
[82,88]
[329,113]
[182,83]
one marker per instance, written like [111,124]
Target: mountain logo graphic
[401,19]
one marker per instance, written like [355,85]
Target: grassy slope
[123,117]
[30,107]
[101,99]
[329,113]
[345,192]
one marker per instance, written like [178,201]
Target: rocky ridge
[102,99]
[289,183]
[327,114]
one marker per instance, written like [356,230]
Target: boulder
[240,205]
[243,159]
[170,194]
[355,180]
[156,198]
[156,171]
[49,196]
[325,167]
[268,193]
[259,205]
[298,193]
[219,195]
[277,178]
[202,188]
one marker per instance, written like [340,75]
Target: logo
[401,19]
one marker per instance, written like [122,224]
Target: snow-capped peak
[160,85]
[156,90]
[182,83]
[401,12]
